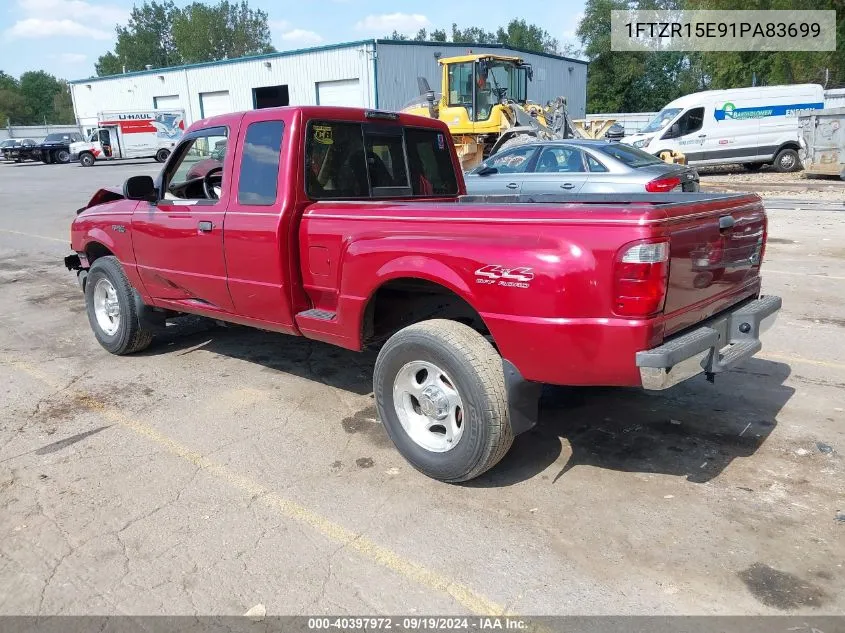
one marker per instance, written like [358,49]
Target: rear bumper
[716,346]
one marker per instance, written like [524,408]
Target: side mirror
[140,188]
[487,171]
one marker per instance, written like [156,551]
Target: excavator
[485,104]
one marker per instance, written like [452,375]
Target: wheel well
[788,145]
[94,250]
[403,302]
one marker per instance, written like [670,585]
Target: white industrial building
[370,73]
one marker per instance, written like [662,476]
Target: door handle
[726,222]
[512,185]
[702,135]
[567,185]
[205,226]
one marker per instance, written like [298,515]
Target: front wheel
[86,159]
[62,156]
[440,393]
[112,312]
[787,160]
[161,155]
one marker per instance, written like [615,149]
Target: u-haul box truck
[137,134]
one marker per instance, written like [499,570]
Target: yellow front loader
[484,102]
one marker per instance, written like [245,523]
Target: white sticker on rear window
[441,141]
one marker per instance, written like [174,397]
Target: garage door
[166,102]
[345,92]
[214,103]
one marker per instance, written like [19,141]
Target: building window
[270,97]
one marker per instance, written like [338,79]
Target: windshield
[630,156]
[661,120]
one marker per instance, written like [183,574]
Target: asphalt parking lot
[226,467]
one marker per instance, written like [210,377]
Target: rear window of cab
[371,160]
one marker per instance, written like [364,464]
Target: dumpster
[822,140]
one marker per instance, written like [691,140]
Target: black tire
[161,155]
[753,166]
[787,160]
[86,159]
[475,369]
[62,156]
[47,158]
[130,335]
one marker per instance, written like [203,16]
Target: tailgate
[714,258]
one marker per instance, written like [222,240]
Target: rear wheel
[440,392]
[86,159]
[112,312]
[62,156]
[161,155]
[787,160]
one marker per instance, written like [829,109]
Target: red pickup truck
[351,227]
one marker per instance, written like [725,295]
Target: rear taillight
[662,185]
[640,275]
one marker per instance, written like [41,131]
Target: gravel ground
[771,184]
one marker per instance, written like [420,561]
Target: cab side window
[460,84]
[197,171]
[691,121]
[259,177]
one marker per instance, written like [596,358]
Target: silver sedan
[578,166]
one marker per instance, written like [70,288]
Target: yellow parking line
[767,271]
[468,598]
[798,359]
[40,237]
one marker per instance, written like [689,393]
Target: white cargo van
[137,134]
[752,126]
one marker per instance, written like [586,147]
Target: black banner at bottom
[416,623]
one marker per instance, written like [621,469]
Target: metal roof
[315,49]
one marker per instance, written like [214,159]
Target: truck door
[258,232]
[178,240]
[686,135]
[105,142]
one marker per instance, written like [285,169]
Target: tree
[519,34]
[472,35]
[39,90]
[396,35]
[160,34]
[145,40]
[222,31]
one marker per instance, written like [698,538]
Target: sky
[65,37]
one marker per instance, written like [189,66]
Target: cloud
[36,28]
[301,36]
[386,23]
[70,58]
[76,10]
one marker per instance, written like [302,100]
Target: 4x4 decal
[518,277]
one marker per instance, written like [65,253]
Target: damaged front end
[79,263]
